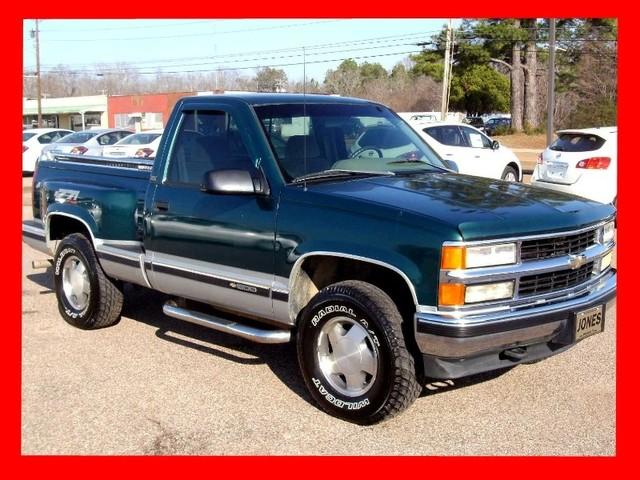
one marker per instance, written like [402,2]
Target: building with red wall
[142,112]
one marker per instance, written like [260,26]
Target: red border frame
[311,467]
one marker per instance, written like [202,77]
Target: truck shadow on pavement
[145,306]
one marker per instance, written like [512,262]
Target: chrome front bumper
[455,346]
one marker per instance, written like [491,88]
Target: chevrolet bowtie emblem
[576,261]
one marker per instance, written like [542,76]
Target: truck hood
[479,208]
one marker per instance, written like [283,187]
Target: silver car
[87,142]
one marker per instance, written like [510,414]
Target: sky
[242,45]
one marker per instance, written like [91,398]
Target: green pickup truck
[327,221]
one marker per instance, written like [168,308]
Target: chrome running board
[226,326]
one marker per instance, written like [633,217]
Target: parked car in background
[87,142]
[34,140]
[138,145]
[582,162]
[471,150]
[476,122]
[497,126]
[425,117]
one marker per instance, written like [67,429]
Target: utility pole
[551,101]
[446,75]
[36,33]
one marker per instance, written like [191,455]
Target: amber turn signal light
[451,294]
[453,258]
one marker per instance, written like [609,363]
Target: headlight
[45,155]
[608,232]
[457,294]
[455,257]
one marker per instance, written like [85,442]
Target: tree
[372,71]
[480,90]
[345,80]
[271,80]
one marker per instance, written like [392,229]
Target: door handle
[161,206]
[449,154]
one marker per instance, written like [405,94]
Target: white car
[582,162]
[86,142]
[138,145]
[471,150]
[34,140]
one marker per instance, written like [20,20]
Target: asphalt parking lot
[155,385]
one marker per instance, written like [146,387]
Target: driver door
[211,247]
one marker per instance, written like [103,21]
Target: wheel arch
[315,270]
[59,224]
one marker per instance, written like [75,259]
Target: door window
[475,139]
[447,135]
[206,140]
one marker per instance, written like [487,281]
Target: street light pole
[551,101]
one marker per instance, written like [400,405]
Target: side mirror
[451,165]
[234,182]
[495,145]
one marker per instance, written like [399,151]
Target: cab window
[206,140]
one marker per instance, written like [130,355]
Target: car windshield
[312,138]
[27,135]
[77,137]
[577,142]
[139,139]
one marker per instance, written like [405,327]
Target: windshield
[312,138]
[27,135]
[77,137]
[139,139]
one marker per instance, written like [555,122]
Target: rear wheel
[87,298]
[353,355]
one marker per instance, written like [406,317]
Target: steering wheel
[359,152]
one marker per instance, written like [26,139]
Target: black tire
[510,170]
[105,297]
[394,386]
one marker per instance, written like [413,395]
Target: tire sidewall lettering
[60,258]
[320,316]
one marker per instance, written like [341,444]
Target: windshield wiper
[409,160]
[336,173]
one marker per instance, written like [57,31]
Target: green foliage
[480,89]
[372,71]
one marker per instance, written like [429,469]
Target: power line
[201,34]
[360,57]
[257,59]
[370,40]
[124,27]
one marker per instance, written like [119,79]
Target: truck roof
[274,98]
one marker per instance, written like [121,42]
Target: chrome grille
[542,248]
[552,281]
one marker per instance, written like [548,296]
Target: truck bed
[107,193]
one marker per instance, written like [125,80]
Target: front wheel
[353,355]
[510,175]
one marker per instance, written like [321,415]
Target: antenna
[304,113]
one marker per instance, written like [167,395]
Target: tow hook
[515,354]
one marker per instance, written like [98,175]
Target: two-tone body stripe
[129,262]
[211,280]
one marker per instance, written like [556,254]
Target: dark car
[497,126]
[477,122]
